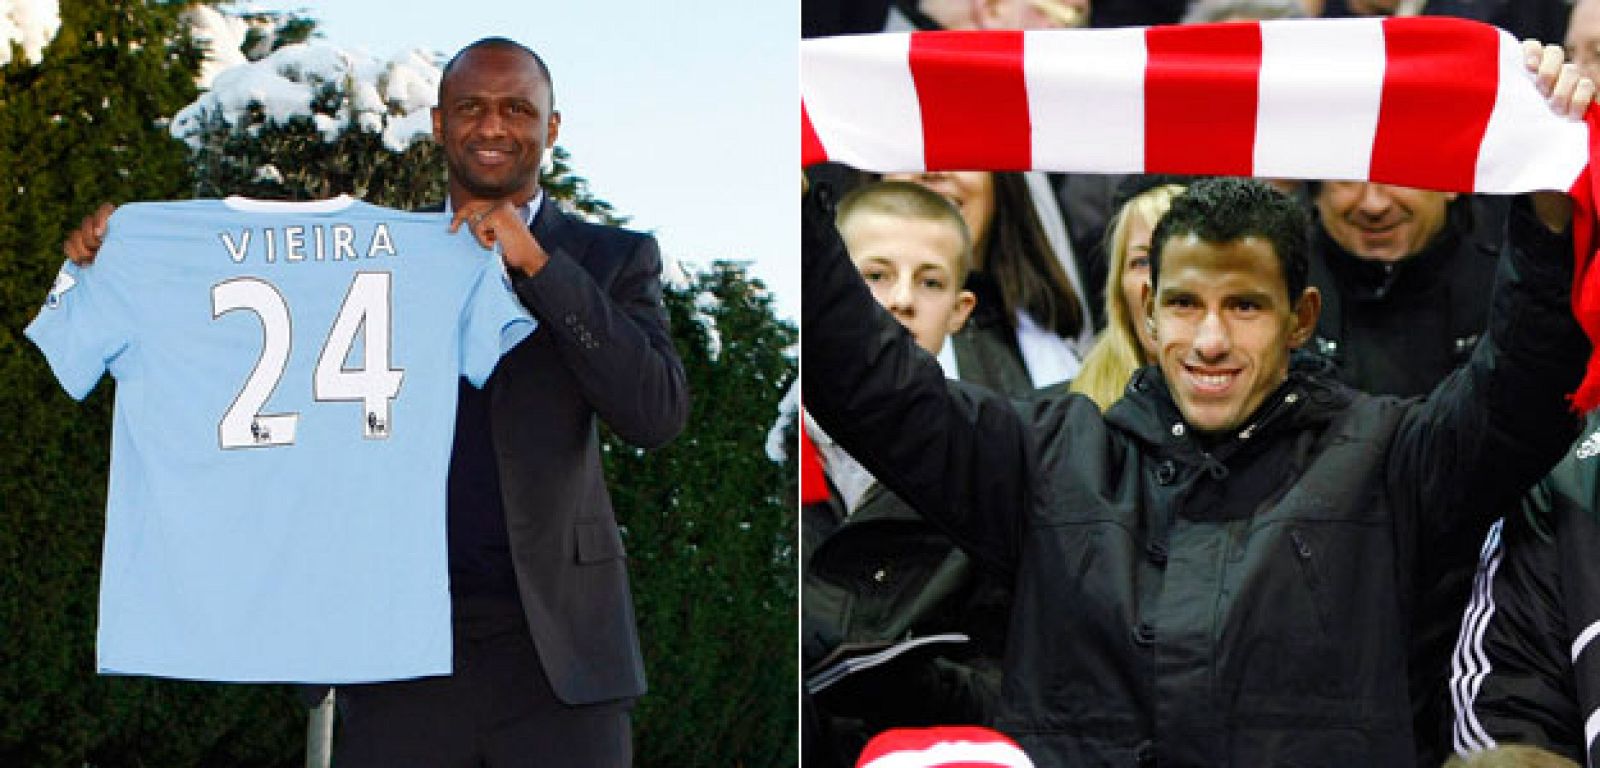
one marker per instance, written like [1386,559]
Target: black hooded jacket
[1398,328]
[1242,601]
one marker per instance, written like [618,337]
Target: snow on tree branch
[329,86]
[29,23]
[222,35]
[778,437]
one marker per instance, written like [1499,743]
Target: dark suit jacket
[602,349]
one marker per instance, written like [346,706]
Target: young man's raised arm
[959,455]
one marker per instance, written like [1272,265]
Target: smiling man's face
[1381,222]
[1224,325]
[494,120]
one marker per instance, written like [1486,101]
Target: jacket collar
[1148,413]
[548,215]
[549,221]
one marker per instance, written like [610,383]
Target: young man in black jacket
[1218,571]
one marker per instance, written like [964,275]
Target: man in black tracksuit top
[1526,668]
[1218,571]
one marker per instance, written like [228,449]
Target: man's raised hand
[84,242]
[1565,88]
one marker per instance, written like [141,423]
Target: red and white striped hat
[955,746]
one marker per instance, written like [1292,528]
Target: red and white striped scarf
[1427,102]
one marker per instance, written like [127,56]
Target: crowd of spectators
[1043,288]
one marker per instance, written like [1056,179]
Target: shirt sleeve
[493,323]
[77,330]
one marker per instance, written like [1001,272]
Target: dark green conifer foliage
[711,532]
[85,125]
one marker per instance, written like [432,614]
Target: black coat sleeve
[1491,429]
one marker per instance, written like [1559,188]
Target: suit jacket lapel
[552,229]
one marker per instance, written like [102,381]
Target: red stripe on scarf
[813,481]
[1432,70]
[974,100]
[1585,279]
[811,149]
[1201,118]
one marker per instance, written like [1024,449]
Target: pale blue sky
[684,115]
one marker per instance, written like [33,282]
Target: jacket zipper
[1288,399]
[1308,571]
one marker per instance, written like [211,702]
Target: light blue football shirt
[286,396]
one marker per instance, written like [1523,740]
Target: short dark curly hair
[1225,209]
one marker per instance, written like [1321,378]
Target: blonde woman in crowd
[1125,345]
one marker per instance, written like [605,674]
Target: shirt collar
[528,212]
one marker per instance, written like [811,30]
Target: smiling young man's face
[1224,326]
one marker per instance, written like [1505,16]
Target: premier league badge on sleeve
[1590,447]
[64,282]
